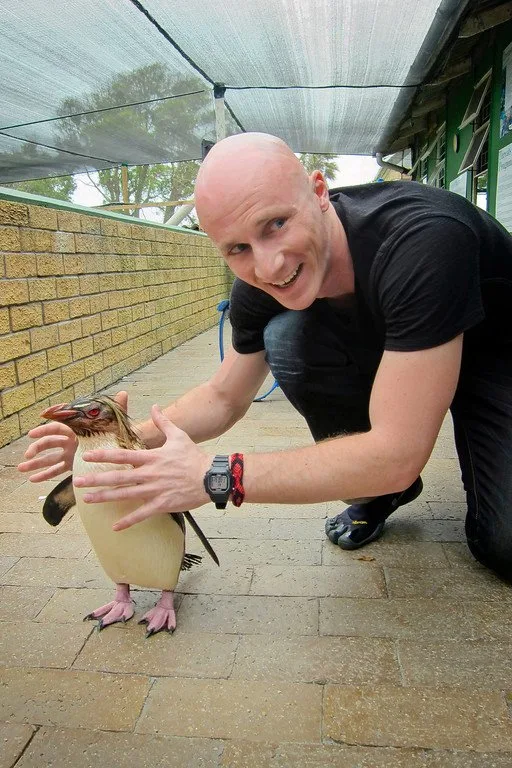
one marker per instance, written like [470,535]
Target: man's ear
[320,189]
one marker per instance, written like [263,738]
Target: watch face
[218,482]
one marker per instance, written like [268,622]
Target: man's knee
[494,550]
[284,344]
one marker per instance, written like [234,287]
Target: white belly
[148,554]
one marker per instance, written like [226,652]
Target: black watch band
[218,481]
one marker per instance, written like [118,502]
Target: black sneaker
[361,523]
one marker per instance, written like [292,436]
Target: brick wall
[86,299]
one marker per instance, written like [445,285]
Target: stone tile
[30,644]
[448,510]
[442,481]
[13,738]
[401,529]
[264,552]
[292,512]
[29,545]
[24,522]
[404,554]
[362,580]
[226,580]
[6,563]
[50,572]
[243,754]
[256,711]
[418,717]
[459,554]
[22,603]
[249,615]
[101,749]
[421,617]
[472,664]
[279,528]
[72,699]
[10,479]
[489,620]
[317,660]
[11,455]
[452,583]
[176,655]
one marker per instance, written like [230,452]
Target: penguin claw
[161,616]
[111,613]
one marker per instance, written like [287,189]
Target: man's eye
[279,223]
[238,248]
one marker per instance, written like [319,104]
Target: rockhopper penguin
[150,553]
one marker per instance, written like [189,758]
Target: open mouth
[290,279]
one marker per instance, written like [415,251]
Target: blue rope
[223,308]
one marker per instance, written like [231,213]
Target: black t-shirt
[428,266]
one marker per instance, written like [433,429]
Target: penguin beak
[60,412]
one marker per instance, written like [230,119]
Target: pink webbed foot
[162,616]
[120,609]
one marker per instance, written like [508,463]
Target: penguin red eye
[93,413]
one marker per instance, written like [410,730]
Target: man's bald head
[241,163]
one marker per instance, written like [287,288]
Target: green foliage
[60,187]
[315,162]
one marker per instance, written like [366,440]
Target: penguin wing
[59,501]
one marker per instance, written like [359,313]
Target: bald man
[377,308]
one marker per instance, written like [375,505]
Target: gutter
[446,19]
[391,166]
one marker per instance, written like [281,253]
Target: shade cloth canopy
[92,84]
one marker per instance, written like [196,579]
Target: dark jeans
[321,363]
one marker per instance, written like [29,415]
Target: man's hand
[163,480]
[54,435]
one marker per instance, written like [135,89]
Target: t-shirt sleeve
[427,284]
[250,310]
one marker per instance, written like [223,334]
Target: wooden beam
[428,106]
[163,204]
[480,22]
[462,67]
[410,127]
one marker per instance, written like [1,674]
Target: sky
[352,169]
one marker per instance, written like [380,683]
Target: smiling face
[272,222]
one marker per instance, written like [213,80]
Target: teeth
[288,279]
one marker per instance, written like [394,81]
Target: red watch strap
[237,473]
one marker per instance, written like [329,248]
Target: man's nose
[267,263]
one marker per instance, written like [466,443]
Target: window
[476,154]
[476,101]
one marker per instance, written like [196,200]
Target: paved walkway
[292,654]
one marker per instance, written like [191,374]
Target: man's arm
[210,409]
[411,394]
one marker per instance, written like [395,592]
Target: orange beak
[58,412]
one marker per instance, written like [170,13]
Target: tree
[60,187]
[315,162]
[168,128]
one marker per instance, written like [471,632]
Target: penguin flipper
[59,501]
[202,538]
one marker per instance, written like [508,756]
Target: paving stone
[71,605]
[26,498]
[489,620]
[473,664]
[50,572]
[21,603]
[404,554]
[421,617]
[10,479]
[429,718]
[452,583]
[254,755]
[29,545]
[249,615]
[256,711]
[30,644]
[13,738]
[226,580]
[290,511]
[347,660]
[362,580]
[401,529]
[174,655]
[264,528]
[63,748]
[448,510]
[6,563]
[72,699]
[459,554]
[24,522]
[263,552]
